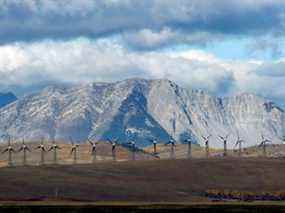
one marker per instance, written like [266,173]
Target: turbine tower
[114,144]
[133,149]
[74,148]
[24,148]
[239,143]
[207,148]
[264,143]
[171,142]
[54,147]
[93,149]
[189,150]
[10,150]
[154,143]
[131,144]
[224,140]
[43,150]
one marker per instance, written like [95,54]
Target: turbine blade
[72,142]
[90,141]
[90,137]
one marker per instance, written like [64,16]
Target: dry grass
[84,156]
[277,150]
[123,154]
[142,181]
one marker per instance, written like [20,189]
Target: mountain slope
[197,113]
[140,109]
[133,122]
[7,98]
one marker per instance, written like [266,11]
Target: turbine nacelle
[171,141]
[224,139]
[206,139]
[264,141]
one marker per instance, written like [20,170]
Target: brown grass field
[142,181]
[124,154]
[148,182]
[84,156]
[275,150]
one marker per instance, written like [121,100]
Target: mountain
[140,109]
[6,98]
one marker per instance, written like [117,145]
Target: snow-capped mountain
[139,109]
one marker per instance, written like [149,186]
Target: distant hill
[7,98]
[140,109]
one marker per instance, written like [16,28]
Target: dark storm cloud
[153,22]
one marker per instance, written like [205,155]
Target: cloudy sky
[223,46]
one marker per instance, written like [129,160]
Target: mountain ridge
[140,109]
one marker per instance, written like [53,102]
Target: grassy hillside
[148,181]
[276,150]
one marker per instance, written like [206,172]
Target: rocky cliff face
[141,109]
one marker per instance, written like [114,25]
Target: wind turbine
[93,149]
[73,151]
[224,140]
[24,148]
[133,149]
[239,143]
[264,143]
[43,150]
[154,143]
[54,147]
[10,150]
[172,151]
[131,144]
[207,149]
[189,152]
[114,144]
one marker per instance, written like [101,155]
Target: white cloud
[12,58]
[84,60]
[198,55]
